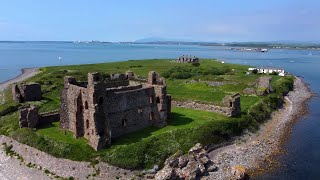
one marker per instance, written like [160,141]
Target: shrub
[284,85]
[255,71]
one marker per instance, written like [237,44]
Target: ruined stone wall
[231,106]
[125,88]
[26,92]
[111,84]
[188,59]
[131,110]
[108,109]
[162,100]
[48,118]
[29,117]
[97,128]
[73,101]
[264,85]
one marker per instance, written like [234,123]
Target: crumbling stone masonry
[264,85]
[188,59]
[29,117]
[231,106]
[26,92]
[105,109]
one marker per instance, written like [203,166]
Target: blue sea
[302,160]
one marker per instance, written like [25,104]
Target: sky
[190,20]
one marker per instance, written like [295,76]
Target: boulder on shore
[189,166]
[239,172]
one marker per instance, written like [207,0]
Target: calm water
[303,158]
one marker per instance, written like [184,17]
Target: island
[154,118]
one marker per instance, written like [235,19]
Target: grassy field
[152,145]
[51,79]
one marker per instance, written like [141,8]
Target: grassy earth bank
[152,145]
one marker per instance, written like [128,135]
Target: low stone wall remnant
[230,108]
[29,117]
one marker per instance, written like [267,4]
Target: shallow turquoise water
[303,158]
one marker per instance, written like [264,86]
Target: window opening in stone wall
[101,101]
[87,123]
[151,116]
[230,104]
[158,100]
[101,134]
[86,105]
[151,100]
[140,110]
[124,122]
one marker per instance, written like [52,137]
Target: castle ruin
[264,85]
[30,117]
[26,92]
[188,59]
[100,110]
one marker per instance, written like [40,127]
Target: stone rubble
[190,166]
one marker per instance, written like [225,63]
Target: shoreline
[25,74]
[256,151]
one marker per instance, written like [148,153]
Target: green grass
[151,145]
[51,79]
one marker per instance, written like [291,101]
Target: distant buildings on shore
[250,49]
[267,70]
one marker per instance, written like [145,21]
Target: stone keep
[104,109]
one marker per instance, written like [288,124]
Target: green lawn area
[51,79]
[151,145]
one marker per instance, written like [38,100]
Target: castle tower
[233,102]
[100,126]
[94,78]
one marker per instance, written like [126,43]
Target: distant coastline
[270,45]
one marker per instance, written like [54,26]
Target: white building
[268,70]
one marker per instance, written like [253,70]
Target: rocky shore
[253,152]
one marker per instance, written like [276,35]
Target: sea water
[302,160]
